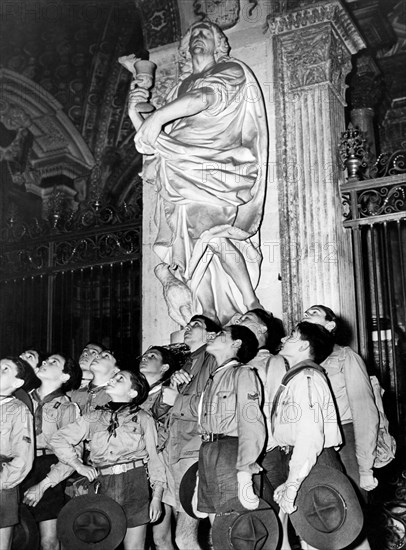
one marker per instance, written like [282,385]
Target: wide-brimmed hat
[25,533]
[328,515]
[93,522]
[186,489]
[236,528]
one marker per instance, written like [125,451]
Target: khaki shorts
[8,507]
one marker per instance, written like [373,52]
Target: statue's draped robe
[210,171]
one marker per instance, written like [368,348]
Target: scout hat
[91,522]
[328,514]
[236,528]
[187,488]
[25,533]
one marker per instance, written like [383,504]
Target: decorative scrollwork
[96,234]
[93,214]
[346,206]
[390,164]
[97,248]
[385,200]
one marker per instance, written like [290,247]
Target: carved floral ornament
[313,16]
[12,116]
[313,56]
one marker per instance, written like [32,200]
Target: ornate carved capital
[315,15]
[313,56]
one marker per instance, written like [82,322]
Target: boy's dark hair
[342,331]
[168,358]
[94,343]
[42,356]
[329,314]
[320,339]
[249,342]
[25,372]
[211,326]
[72,368]
[139,383]
[275,331]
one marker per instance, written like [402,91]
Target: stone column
[365,92]
[312,49]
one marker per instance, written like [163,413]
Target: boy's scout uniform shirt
[355,401]
[89,397]
[161,420]
[271,369]
[305,419]
[230,405]
[115,437]
[184,436]
[50,414]
[17,442]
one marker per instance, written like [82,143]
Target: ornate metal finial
[353,152]
[12,214]
[55,206]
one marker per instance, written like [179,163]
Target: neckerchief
[41,402]
[114,409]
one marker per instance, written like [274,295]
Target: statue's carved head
[222,45]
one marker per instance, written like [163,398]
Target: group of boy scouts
[252,429]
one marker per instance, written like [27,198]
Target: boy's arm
[364,413]
[60,471]
[250,420]
[63,442]
[156,469]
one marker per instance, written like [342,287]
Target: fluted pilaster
[313,48]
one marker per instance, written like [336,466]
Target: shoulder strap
[287,378]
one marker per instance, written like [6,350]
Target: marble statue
[206,151]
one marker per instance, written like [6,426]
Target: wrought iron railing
[72,278]
[96,234]
[365,202]
[375,211]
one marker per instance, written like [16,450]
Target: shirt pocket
[226,403]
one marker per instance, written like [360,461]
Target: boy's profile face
[8,377]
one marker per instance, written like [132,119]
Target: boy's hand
[34,494]
[155,509]
[87,471]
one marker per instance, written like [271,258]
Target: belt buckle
[117,469]
[206,437]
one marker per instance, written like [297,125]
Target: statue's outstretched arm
[188,104]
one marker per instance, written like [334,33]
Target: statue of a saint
[206,152]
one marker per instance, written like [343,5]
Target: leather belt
[210,437]
[120,468]
[43,452]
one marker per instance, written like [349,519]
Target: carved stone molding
[224,13]
[13,117]
[315,14]
[313,47]
[313,56]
